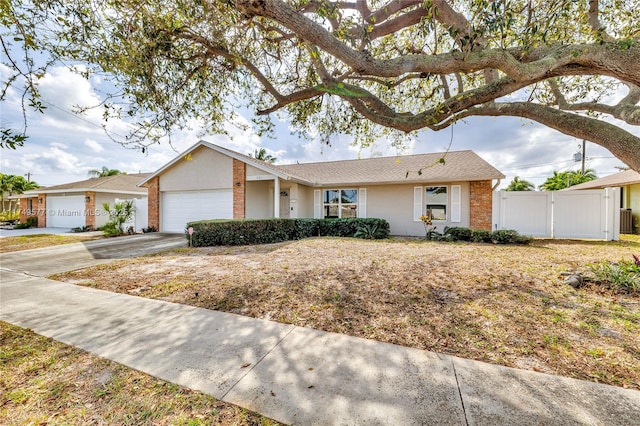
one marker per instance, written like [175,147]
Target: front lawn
[506,305]
[28,242]
[45,382]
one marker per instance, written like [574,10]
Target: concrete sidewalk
[298,375]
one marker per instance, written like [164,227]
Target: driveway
[50,260]
[34,231]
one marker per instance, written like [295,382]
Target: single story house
[629,183]
[211,182]
[79,204]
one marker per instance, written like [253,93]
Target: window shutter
[317,204]
[362,202]
[417,203]
[455,203]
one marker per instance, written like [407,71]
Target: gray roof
[628,177]
[456,166]
[124,183]
[422,168]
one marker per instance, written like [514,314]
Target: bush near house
[266,231]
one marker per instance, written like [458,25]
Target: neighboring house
[211,182]
[80,203]
[629,183]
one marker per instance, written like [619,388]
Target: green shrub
[480,236]
[21,226]
[10,216]
[349,227]
[111,229]
[266,231]
[509,236]
[457,233]
[86,228]
[32,221]
[370,231]
[306,228]
[623,276]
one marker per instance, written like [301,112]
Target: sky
[63,147]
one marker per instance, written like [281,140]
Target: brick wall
[90,209]
[239,189]
[41,209]
[480,204]
[153,188]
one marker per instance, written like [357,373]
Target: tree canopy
[562,180]
[368,69]
[261,154]
[104,172]
[518,184]
[13,184]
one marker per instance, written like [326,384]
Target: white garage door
[178,208]
[65,212]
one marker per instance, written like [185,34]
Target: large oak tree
[362,68]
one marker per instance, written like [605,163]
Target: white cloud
[93,145]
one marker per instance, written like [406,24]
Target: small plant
[86,228]
[149,229]
[10,216]
[21,226]
[623,276]
[370,231]
[32,221]
[110,229]
[430,230]
[118,214]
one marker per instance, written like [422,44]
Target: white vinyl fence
[591,214]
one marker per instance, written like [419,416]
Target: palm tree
[261,154]
[520,185]
[105,171]
[566,179]
[13,184]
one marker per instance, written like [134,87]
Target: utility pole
[584,146]
[28,175]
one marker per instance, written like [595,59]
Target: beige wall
[632,201]
[259,201]
[203,169]
[395,204]
[101,197]
[304,201]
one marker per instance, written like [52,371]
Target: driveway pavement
[298,375]
[67,257]
[33,231]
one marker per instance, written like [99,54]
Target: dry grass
[28,242]
[501,304]
[46,382]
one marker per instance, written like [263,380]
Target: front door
[285,204]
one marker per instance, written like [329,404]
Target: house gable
[200,169]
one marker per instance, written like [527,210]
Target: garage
[180,207]
[65,211]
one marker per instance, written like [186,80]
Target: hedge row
[502,236]
[266,231]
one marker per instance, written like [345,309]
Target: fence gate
[592,214]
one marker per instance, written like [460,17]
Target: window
[436,202]
[340,203]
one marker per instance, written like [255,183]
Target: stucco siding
[395,204]
[203,169]
[259,199]
[633,203]
[101,197]
[304,201]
